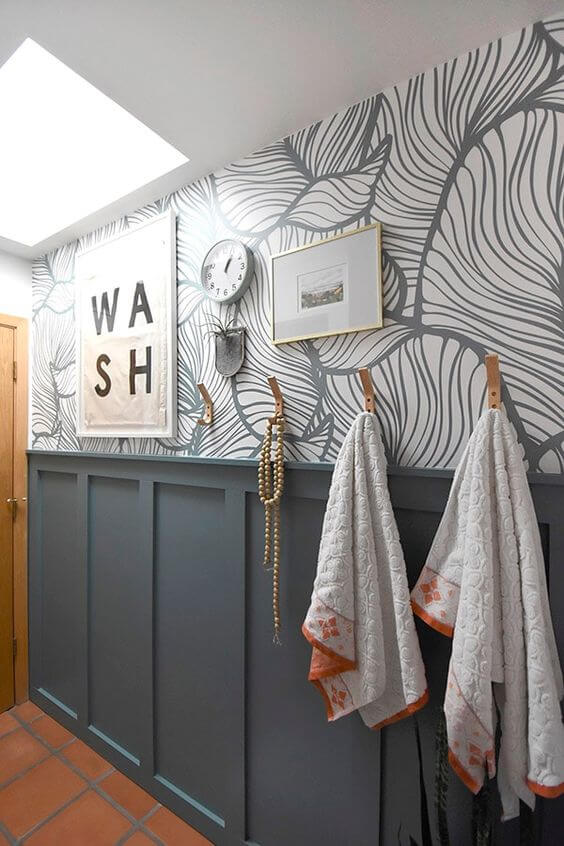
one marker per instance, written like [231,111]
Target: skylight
[66,149]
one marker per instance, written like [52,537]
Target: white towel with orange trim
[484,584]
[360,624]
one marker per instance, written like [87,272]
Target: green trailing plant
[441,780]
[527,829]
[482,828]
[426,837]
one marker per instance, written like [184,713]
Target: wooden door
[7,357]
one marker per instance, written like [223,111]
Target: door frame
[21,358]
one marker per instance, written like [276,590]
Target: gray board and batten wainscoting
[151,639]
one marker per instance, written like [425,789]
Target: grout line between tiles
[26,770]
[51,816]
[125,837]
[10,731]
[143,830]
[141,827]
[151,835]
[49,749]
[92,784]
[7,834]
[151,813]
[21,719]
[55,753]
[148,831]
[114,804]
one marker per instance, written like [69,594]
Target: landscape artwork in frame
[125,296]
[329,287]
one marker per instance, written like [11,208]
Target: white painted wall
[15,285]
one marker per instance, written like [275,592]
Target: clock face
[227,271]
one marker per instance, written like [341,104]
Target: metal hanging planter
[229,350]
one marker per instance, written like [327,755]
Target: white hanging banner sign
[126,319]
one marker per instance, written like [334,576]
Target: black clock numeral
[225,292]
[242,266]
[233,287]
[240,277]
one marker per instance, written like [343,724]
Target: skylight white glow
[66,150]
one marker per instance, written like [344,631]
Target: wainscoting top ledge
[327,466]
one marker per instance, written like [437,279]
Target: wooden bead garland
[270,493]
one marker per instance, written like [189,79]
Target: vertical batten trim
[555,578]
[83,563]
[35,567]
[235,540]
[147,575]
[549,509]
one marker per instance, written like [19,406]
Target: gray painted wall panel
[178,604]
[195,669]
[60,609]
[299,767]
[115,620]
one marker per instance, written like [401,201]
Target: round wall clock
[227,271]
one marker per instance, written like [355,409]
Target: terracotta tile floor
[56,791]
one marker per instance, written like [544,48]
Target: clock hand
[226,268]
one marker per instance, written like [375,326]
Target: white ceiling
[221,78]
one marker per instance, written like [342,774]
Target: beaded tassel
[270,493]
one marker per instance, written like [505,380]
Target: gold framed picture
[329,287]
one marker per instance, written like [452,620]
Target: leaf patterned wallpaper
[463,165]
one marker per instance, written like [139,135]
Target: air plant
[219,328]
